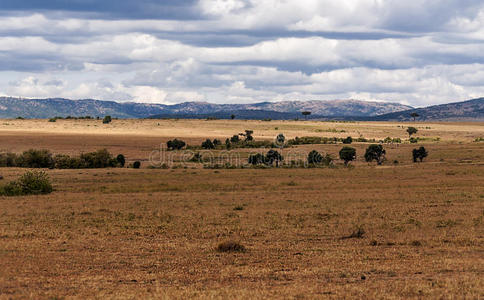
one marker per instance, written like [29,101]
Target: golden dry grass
[125,233]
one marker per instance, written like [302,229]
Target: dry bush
[230,246]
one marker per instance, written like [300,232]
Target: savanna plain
[390,231]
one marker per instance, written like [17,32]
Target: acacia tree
[306,114]
[411,131]
[419,153]
[347,154]
[414,115]
[273,156]
[314,157]
[375,152]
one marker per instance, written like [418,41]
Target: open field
[153,233]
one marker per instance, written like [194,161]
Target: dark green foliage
[31,183]
[413,140]
[414,115]
[235,139]
[121,160]
[34,158]
[375,152]
[348,140]
[136,165]
[411,131]
[228,145]
[248,135]
[314,157]
[216,142]
[232,116]
[62,161]
[347,154]
[107,120]
[8,160]
[273,156]
[389,140]
[99,159]
[256,159]
[208,144]
[175,144]
[419,153]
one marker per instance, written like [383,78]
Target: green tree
[235,139]
[208,144]
[107,120]
[314,157]
[375,152]
[306,114]
[414,115]
[411,131]
[347,154]
[232,116]
[273,156]
[348,140]
[121,160]
[419,153]
[175,144]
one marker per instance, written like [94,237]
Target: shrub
[52,120]
[8,159]
[208,144]
[413,140]
[256,159]
[411,131]
[235,139]
[62,161]
[216,142]
[230,246]
[31,183]
[347,154]
[273,156]
[34,158]
[99,159]
[248,135]
[107,120]
[121,160]
[419,153]
[136,165]
[314,157]
[348,140]
[375,152]
[175,144]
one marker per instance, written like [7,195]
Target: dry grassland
[378,232]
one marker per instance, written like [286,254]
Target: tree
[235,139]
[232,116]
[175,144]
[419,153]
[217,142]
[121,160]
[248,135]
[414,115]
[280,139]
[375,152]
[306,114]
[107,120]
[228,145]
[273,156]
[256,159]
[136,165]
[208,144]
[314,157]
[347,154]
[348,140]
[411,131]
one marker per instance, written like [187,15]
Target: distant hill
[46,108]
[470,110]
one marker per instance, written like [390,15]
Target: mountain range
[470,110]
[47,108]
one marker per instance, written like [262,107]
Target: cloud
[420,52]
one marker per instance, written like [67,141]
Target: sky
[416,52]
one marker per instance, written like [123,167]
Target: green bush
[8,160]
[348,140]
[347,154]
[208,144]
[99,159]
[31,183]
[63,161]
[375,152]
[136,165]
[107,120]
[35,158]
[175,144]
[419,153]
[121,160]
